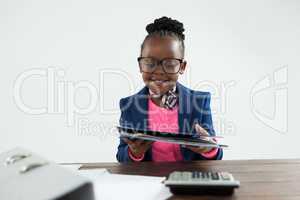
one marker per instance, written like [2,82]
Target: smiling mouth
[159,81]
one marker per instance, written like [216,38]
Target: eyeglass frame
[159,62]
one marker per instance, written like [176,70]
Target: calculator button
[194,175]
[206,175]
[214,176]
[203,175]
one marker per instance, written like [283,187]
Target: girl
[164,104]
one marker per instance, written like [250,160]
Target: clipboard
[176,138]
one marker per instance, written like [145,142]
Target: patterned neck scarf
[169,99]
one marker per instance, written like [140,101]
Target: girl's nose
[158,69]
[159,74]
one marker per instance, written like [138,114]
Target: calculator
[196,182]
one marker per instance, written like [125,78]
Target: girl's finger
[147,142]
[129,142]
[196,148]
[139,142]
[201,130]
[199,149]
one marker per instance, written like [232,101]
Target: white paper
[109,186]
[114,186]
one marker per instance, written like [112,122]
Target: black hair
[166,26]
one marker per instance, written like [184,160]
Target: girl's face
[159,48]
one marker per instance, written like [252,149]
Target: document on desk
[133,187]
[116,186]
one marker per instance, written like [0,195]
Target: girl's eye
[150,65]
[171,63]
[148,62]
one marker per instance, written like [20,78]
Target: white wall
[245,53]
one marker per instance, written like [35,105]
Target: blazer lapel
[185,110]
[140,109]
[184,118]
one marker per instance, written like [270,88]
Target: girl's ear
[182,67]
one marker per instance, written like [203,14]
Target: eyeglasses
[169,65]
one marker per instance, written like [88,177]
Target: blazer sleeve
[125,120]
[207,123]
[122,154]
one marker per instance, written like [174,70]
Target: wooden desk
[260,179]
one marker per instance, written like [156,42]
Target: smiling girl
[164,104]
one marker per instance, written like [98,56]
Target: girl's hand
[138,147]
[201,131]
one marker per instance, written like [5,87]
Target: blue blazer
[194,107]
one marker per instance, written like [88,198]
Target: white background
[231,43]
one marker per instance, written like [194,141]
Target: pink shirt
[164,120]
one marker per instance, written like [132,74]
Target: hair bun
[166,24]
